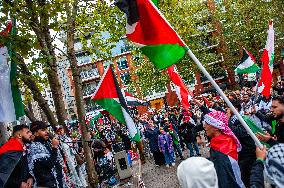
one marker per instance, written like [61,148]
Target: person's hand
[253,110]
[261,153]
[30,182]
[24,185]
[55,143]
[263,137]
[65,169]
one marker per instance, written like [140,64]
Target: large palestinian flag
[147,28]
[108,95]
[265,81]
[247,64]
[11,105]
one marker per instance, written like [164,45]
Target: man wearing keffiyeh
[224,147]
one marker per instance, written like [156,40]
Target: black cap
[19,128]
[37,125]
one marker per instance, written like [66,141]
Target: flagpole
[202,68]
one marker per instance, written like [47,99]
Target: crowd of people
[37,156]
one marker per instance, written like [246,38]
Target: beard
[279,116]
[26,141]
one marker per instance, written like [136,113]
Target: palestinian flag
[92,118]
[147,28]
[133,101]
[247,64]
[181,90]
[267,59]
[109,96]
[11,105]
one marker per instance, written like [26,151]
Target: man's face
[61,131]
[43,133]
[210,130]
[245,98]
[277,109]
[26,135]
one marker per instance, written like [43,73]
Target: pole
[202,68]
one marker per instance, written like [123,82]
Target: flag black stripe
[129,7]
[119,93]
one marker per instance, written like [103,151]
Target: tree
[39,17]
[245,24]
[71,12]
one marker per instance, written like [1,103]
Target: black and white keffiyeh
[274,165]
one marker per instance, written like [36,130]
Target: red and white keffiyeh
[220,120]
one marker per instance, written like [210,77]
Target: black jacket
[248,145]
[44,166]
[20,173]
[256,177]
[188,132]
[13,169]
[152,136]
[225,173]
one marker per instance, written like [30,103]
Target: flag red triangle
[106,88]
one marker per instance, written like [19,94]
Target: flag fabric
[247,64]
[147,28]
[267,59]
[254,128]
[11,105]
[181,90]
[109,96]
[94,118]
[133,101]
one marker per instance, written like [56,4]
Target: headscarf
[220,120]
[197,172]
[274,165]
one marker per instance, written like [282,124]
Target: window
[125,77]
[122,63]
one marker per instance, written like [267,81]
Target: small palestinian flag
[267,59]
[109,96]
[182,92]
[247,64]
[147,28]
[133,101]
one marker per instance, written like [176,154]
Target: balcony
[89,90]
[88,75]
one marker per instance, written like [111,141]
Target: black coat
[43,167]
[13,169]
[248,145]
[152,136]
[225,173]
[188,132]
[256,177]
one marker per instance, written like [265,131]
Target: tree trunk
[41,29]
[29,81]
[3,133]
[30,115]
[71,14]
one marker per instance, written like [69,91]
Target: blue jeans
[178,149]
[169,157]
[195,146]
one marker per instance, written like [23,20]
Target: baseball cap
[37,125]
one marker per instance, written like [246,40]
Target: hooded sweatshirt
[197,172]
